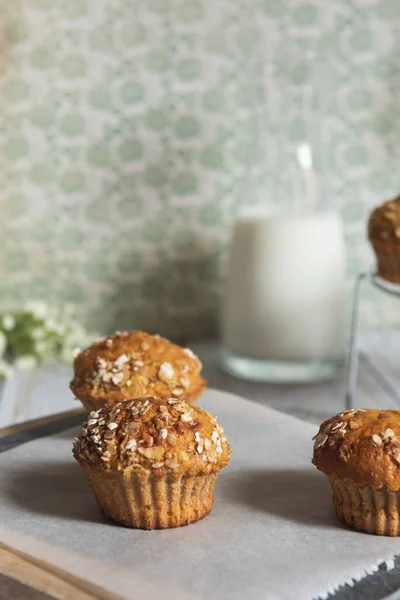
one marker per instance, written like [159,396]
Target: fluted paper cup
[151,501]
[365,508]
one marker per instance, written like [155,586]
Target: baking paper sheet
[271,535]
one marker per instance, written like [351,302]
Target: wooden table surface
[379,386]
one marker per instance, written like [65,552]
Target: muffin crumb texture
[384,235]
[384,221]
[133,364]
[153,435]
[362,445]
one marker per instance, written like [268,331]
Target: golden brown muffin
[133,364]
[359,451]
[384,235]
[152,463]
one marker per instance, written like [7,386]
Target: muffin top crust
[384,221]
[155,435]
[362,445]
[132,364]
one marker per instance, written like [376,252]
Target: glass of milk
[283,309]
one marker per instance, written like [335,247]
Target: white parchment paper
[272,533]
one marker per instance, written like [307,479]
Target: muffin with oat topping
[152,463]
[359,451]
[384,235]
[132,364]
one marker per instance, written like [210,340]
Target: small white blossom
[54,327]
[38,333]
[8,322]
[43,349]
[47,333]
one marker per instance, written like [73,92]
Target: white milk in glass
[283,311]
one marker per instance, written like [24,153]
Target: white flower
[38,334]
[38,308]
[3,343]
[50,332]
[54,326]
[8,322]
[26,363]
[42,348]
[50,323]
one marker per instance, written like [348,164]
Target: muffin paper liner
[388,259]
[151,501]
[366,508]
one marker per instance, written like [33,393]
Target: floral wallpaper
[132,130]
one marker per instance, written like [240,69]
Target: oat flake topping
[151,433]
[334,431]
[148,364]
[166,372]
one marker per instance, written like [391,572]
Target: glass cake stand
[382,285]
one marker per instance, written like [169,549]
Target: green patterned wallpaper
[132,129]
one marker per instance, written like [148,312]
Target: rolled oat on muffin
[152,463]
[384,235]
[132,364]
[359,451]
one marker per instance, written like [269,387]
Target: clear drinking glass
[283,309]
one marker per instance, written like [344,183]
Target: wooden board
[45,578]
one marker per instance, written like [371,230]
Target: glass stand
[354,350]
[271,371]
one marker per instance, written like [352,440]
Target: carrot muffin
[359,451]
[152,463]
[384,235]
[132,364]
